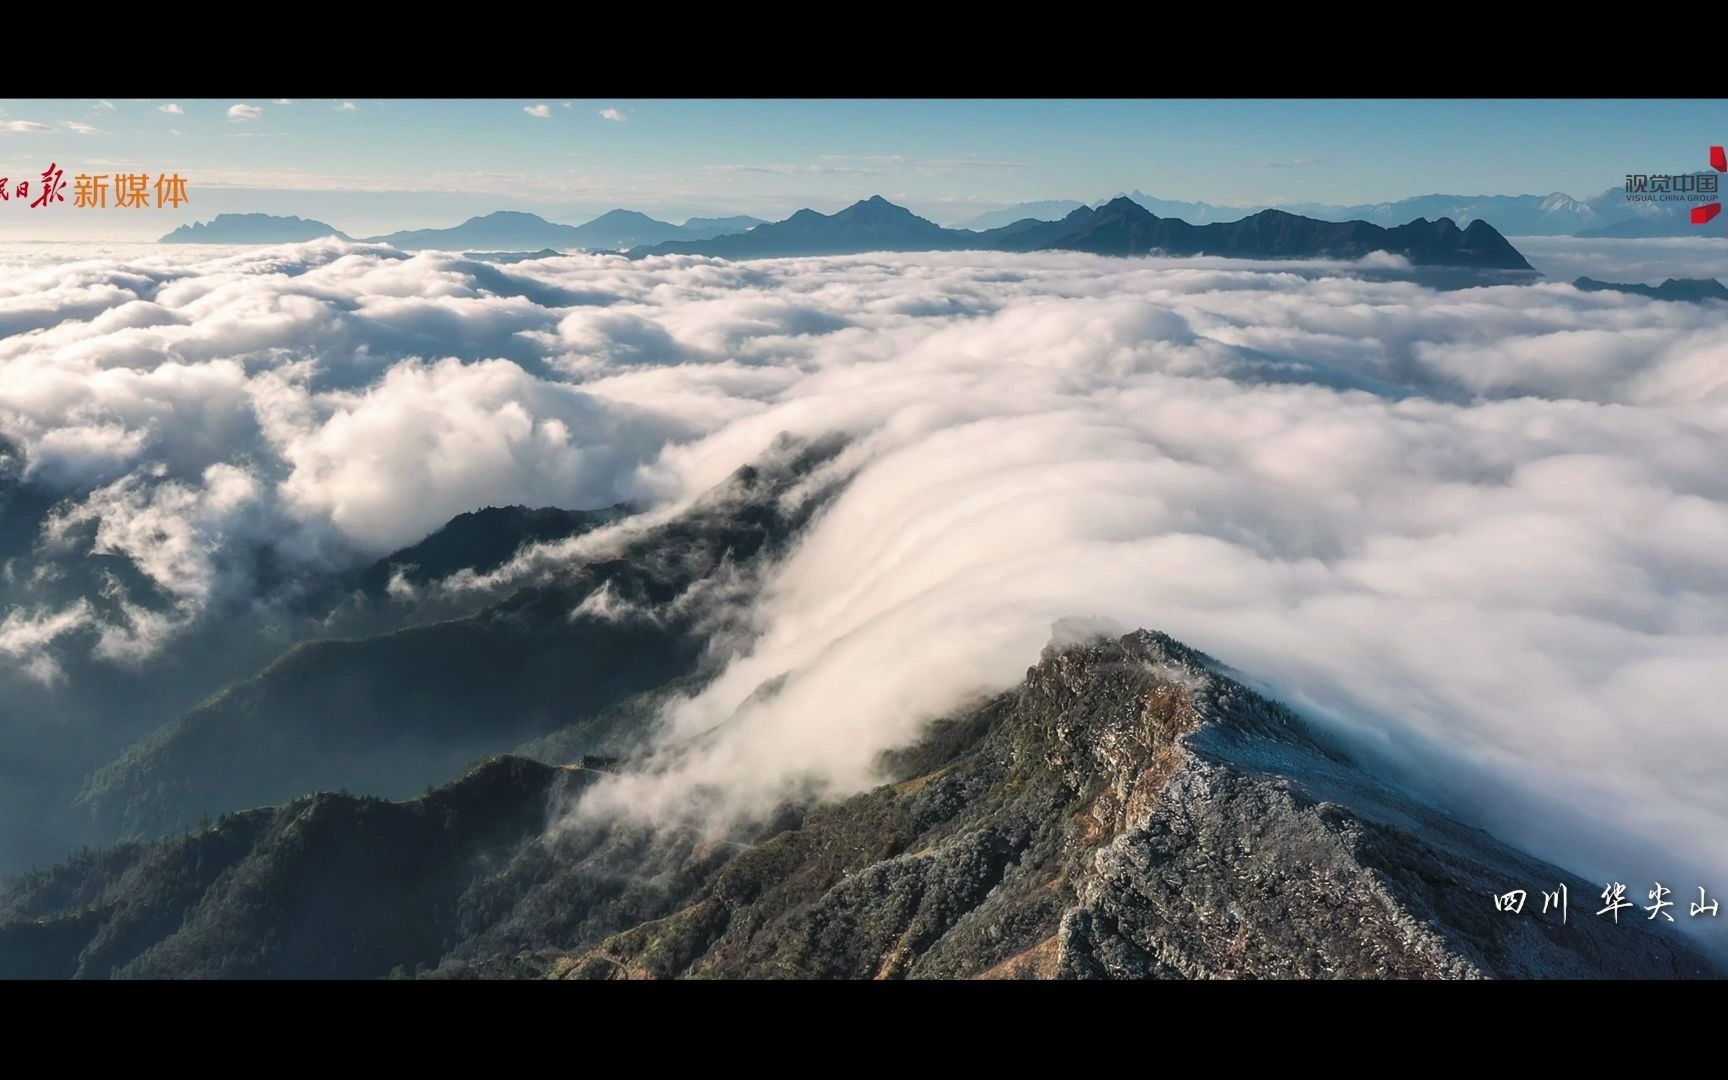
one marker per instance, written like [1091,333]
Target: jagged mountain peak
[878,209]
[1122,204]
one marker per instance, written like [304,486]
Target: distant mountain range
[1653,221]
[614,230]
[1608,214]
[1681,289]
[873,224]
[1043,210]
[504,231]
[251,229]
[1119,227]
[719,226]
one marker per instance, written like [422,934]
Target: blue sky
[369,166]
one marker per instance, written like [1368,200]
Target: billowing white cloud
[245,112]
[1484,532]
[544,112]
[25,635]
[389,464]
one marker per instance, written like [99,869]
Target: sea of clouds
[1482,533]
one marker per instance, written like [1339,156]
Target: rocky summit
[1130,810]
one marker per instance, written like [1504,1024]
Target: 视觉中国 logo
[1700,188]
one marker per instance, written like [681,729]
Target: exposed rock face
[1128,811]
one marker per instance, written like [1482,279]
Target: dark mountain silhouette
[516,231]
[250,229]
[1554,214]
[504,230]
[1124,227]
[327,886]
[1119,227]
[482,541]
[619,229]
[1130,810]
[1683,289]
[511,231]
[874,224]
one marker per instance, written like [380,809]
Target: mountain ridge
[515,230]
[1119,227]
[1691,290]
[1553,214]
[387,713]
[1129,810]
[252,229]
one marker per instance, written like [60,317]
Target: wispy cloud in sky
[1292,163]
[171,109]
[617,116]
[544,112]
[347,106]
[870,165]
[23,127]
[933,166]
[82,128]
[282,101]
[245,112]
[798,170]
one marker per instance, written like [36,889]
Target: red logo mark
[1704,215]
